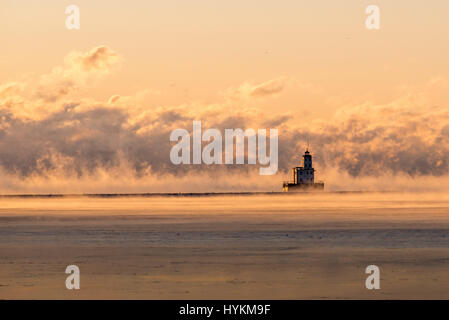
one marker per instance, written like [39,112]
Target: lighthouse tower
[306,173]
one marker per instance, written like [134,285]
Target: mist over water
[307,245]
[310,204]
[361,219]
[123,181]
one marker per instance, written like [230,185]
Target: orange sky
[192,51]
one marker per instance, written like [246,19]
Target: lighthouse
[304,176]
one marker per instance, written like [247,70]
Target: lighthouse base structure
[292,187]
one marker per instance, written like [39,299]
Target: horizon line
[172,194]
